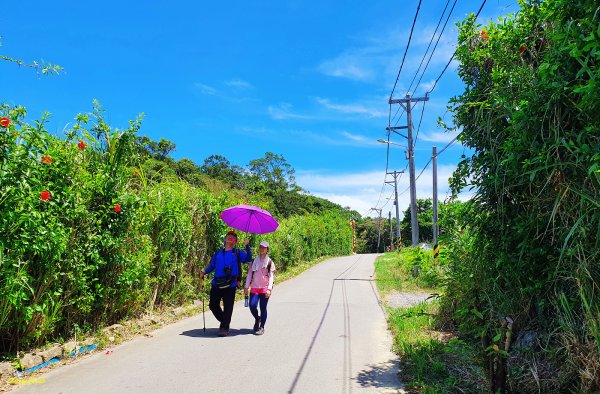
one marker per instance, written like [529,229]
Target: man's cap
[232,233]
[265,244]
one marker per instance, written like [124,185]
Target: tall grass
[432,361]
[86,239]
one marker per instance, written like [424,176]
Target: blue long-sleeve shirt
[222,259]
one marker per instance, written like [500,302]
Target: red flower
[45,195]
[522,48]
[81,145]
[117,208]
[484,35]
[46,159]
[4,121]
[220,215]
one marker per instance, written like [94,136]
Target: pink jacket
[259,278]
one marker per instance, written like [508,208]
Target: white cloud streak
[205,89]
[359,109]
[239,84]
[284,111]
[363,190]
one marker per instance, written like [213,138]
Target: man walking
[227,266]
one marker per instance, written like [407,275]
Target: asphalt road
[326,333]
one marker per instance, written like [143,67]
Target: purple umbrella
[249,219]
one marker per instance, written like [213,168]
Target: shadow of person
[212,332]
[199,333]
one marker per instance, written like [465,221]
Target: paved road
[326,333]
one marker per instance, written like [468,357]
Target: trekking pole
[203,319]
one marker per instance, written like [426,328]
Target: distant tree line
[271,178]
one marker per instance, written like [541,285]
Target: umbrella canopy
[249,219]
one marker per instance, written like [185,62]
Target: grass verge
[432,360]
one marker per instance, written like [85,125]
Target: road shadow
[212,332]
[382,376]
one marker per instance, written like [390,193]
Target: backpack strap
[239,262]
[268,271]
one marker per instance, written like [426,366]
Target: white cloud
[378,56]
[205,89]
[239,84]
[350,65]
[357,138]
[438,136]
[360,109]
[342,138]
[284,111]
[427,86]
[365,190]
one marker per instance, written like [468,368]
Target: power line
[436,44]
[426,51]
[419,126]
[448,145]
[454,54]
[430,42]
[429,162]
[406,50]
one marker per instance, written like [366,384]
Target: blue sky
[306,80]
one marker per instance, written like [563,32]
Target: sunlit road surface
[326,333]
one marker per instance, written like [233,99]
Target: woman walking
[259,283]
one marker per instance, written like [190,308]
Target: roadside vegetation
[518,273]
[434,357]
[101,225]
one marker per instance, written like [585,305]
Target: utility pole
[378,226]
[435,196]
[395,174]
[391,232]
[406,104]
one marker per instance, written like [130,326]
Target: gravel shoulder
[396,299]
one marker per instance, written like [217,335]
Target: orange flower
[81,145]
[484,35]
[117,208]
[46,159]
[45,195]
[135,172]
[4,121]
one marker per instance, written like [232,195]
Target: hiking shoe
[223,332]
[260,331]
[256,324]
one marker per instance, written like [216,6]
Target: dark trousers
[228,297]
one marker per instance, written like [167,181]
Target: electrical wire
[419,126]
[429,45]
[406,50]
[426,51]
[390,119]
[454,54]
[436,44]
[429,162]
[447,146]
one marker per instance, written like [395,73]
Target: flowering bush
[85,239]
